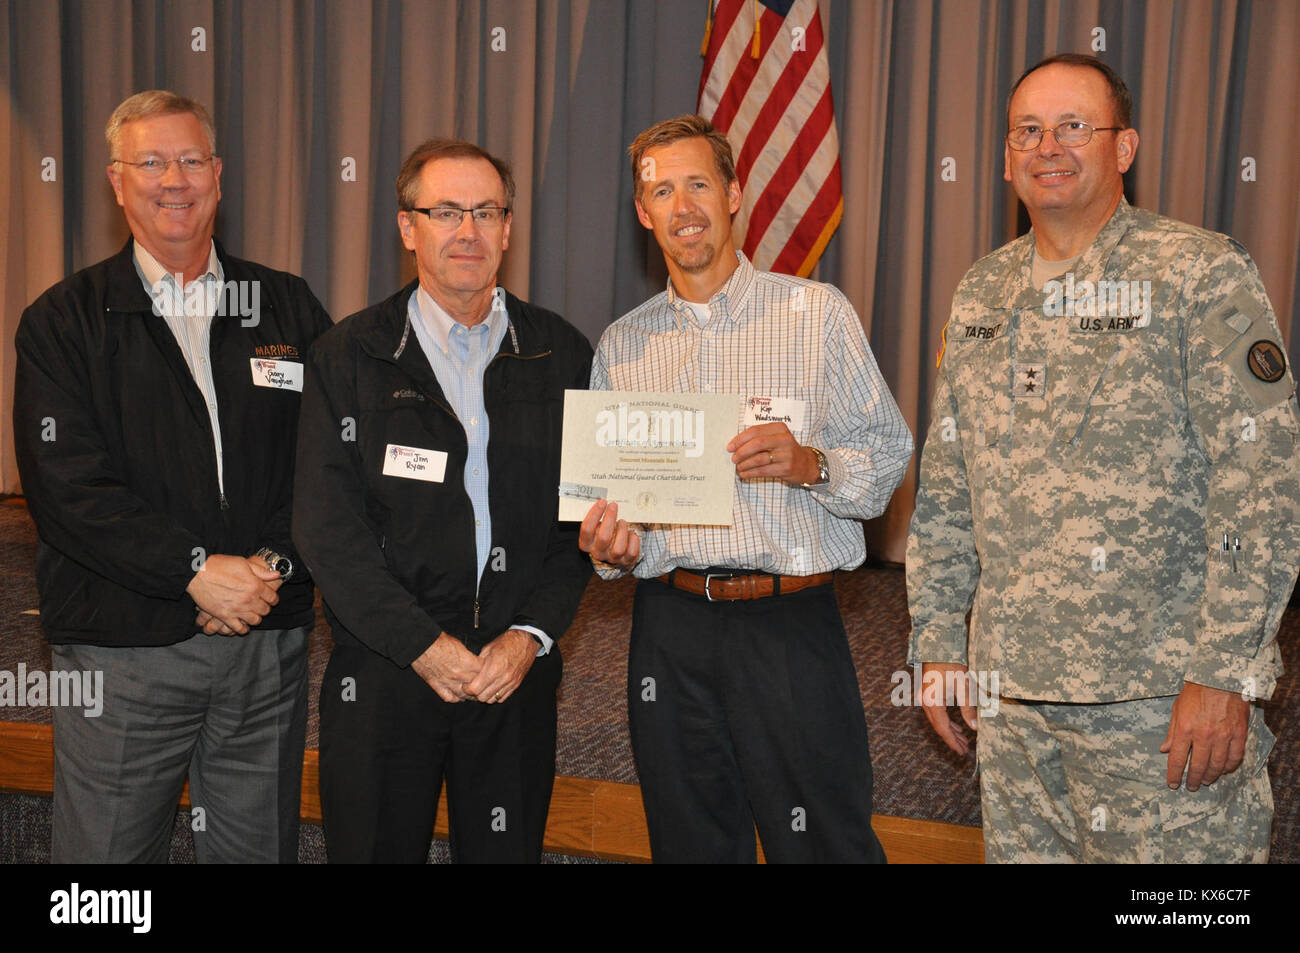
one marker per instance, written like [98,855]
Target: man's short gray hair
[156,102]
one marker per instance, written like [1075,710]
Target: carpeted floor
[916,776]
[25,837]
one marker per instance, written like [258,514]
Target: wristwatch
[280,563]
[823,471]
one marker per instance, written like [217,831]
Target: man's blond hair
[672,130]
[156,102]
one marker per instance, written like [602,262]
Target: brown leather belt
[720,588]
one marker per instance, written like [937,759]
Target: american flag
[767,85]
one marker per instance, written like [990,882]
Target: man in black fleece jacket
[445,574]
[155,415]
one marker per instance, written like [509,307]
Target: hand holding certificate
[661,457]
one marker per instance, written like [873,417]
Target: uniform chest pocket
[977,360]
[1132,404]
[978,345]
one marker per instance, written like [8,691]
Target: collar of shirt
[733,294]
[1018,292]
[1042,271]
[152,272]
[437,324]
[699,313]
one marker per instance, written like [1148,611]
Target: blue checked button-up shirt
[459,355]
[765,334]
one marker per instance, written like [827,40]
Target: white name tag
[282,375]
[412,463]
[774,410]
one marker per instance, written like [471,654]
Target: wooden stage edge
[588,818]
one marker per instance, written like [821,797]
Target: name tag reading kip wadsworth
[414,463]
[772,410]
[281,375]
[661,457]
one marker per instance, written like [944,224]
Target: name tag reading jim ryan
[414,463]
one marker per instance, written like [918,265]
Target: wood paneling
[590,818]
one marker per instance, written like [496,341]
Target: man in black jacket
[155,414]
[445,589]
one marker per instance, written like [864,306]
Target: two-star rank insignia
[1028,380]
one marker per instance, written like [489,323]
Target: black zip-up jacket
[395,558]
[115,449]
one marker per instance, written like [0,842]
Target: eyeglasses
[155,167]
[450,216]
[1071,133]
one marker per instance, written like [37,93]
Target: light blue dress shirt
[459,356]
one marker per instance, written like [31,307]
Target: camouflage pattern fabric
[1090,449]
[1086,783]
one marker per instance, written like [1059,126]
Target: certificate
[661,457]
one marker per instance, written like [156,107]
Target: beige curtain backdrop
[304,92]
[922,86]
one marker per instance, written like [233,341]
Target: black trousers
[386,741]
[747,713]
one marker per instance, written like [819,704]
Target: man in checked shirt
[742,699]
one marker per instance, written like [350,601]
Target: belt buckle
[708,579]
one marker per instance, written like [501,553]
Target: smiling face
[170,215]
[458,266]
[688,207]
[1083,183]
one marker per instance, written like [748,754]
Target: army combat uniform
[1091,447]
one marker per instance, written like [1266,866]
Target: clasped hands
[233,593]
[764,451]
[492,676]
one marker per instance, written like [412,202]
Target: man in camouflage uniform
[1111,488]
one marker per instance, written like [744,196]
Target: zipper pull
[476,613]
